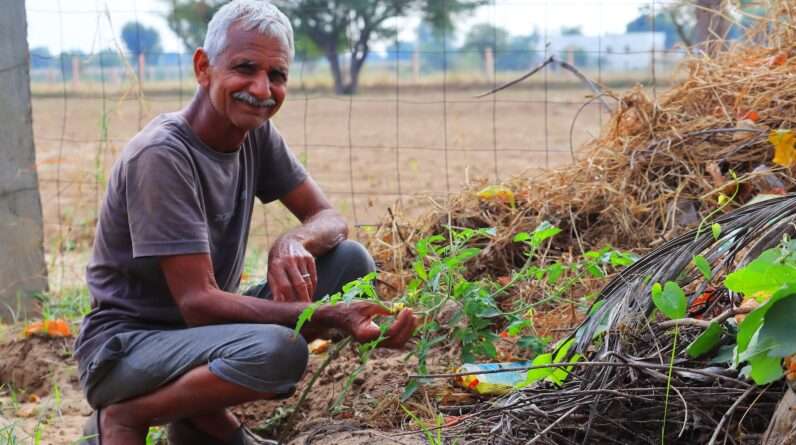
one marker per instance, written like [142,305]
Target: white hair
[250,15]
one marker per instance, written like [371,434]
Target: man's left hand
[291,271]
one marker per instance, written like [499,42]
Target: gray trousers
[265,358]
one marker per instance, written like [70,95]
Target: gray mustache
[253,101]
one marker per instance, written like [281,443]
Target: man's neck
[211,128]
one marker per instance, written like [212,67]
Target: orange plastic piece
[49,328]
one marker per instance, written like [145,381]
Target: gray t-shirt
[171,194]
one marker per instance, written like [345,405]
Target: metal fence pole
[22,267]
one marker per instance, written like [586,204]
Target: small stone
[26,411]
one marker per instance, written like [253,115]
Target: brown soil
[373,400]
[31,365]
[39,391]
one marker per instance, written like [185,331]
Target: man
[168,340]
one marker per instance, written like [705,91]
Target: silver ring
[306,276]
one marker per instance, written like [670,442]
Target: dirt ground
[40,395]
[366,151]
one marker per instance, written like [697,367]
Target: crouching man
[169,340]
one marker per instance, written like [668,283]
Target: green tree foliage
[328,27]
[485,35]
[141,39]
[357,23]
[189,18]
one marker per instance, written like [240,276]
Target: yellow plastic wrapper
[492,384]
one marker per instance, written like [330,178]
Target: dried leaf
[784,152]
[778,59]
[497,193]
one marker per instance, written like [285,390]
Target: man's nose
[261,87]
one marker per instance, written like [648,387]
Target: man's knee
[271,360]
[355,257]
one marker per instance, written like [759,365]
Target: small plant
[764,336]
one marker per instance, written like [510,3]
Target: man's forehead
[249,44]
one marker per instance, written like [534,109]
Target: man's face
[248,81]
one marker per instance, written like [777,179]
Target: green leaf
[420,270]
[595,271]
[763,276]
[554,272]
[656,290]
[535,375]
[522,236]
[517,326]
[410,389]
[619,259]
[754,320]
[532,342]
[764,369]
[671,301]
[779,328]
[543,232]
[702,264]
[715,229]
[706,341]
[305,316]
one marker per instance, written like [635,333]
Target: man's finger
[401,330]
[299,284]
[310,268]
[280,286]
[373,309]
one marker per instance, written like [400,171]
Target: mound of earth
[31,365]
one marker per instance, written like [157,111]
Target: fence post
[22,268]
[489,63]
[416,65]
[141,68]
[75,71]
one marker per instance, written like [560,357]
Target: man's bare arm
[322,227]
[200,301]
[291,260]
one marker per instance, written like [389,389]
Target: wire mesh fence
[414,133]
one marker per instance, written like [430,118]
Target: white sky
[82,24]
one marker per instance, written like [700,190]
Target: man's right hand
[356,319]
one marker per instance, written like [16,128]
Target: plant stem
[669,385]
[333,353]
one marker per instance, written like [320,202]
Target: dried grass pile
[657,169]
[637,383]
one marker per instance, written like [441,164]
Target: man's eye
[277,76]
[245,69]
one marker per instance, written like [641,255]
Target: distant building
[612,52]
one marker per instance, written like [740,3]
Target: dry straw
[658,168]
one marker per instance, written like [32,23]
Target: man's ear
[201,67]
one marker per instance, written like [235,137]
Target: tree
[189,18]
[141,39]
[485,35]
[666,22]
[711,26]
[328,23]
